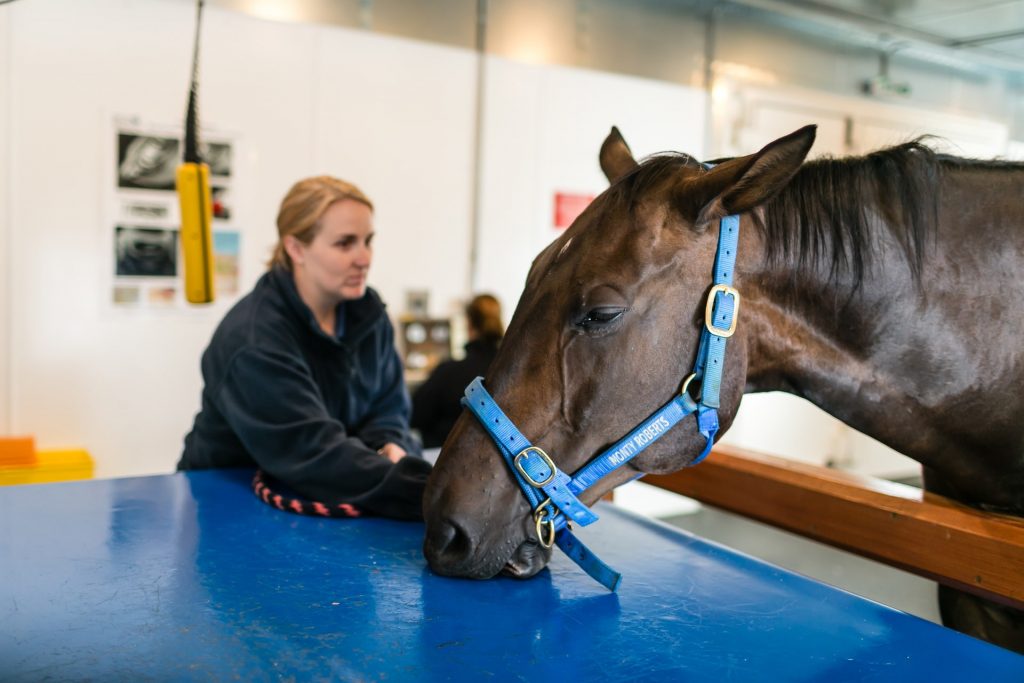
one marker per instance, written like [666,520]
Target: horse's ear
[743,183]
[616,159]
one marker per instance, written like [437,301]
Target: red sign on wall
[568,206]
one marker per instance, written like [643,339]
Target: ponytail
[484,316]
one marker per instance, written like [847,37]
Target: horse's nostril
[448,544]
[459,543]
[443,537]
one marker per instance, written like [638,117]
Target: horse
[886,289]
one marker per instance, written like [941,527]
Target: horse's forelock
[652,173]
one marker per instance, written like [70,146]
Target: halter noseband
[553,494]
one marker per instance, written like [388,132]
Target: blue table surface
[190,577]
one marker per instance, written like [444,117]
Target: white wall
[5,214]
[398,117]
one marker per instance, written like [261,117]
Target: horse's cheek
[733,384]
[672,452]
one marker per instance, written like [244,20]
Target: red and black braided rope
[298,505]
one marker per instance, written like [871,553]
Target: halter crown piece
[552,493]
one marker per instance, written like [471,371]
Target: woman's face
[333,267]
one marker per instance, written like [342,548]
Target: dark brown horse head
[605,332]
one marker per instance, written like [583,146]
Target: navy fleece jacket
[308,408]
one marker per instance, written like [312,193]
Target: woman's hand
[392,451]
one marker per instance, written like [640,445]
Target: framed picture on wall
[145,252]
[218,156]
[147,162]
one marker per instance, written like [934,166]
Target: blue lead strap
[587,560]
[552,494]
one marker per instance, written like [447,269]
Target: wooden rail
[899,525]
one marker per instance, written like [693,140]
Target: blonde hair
[484,316]
[301,209]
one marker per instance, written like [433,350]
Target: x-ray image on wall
[147,162]
[217,156]
[146,252]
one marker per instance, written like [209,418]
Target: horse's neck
[925,368]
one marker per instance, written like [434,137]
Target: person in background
[436,403]
[302,379]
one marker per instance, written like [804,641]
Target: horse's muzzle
[452,550]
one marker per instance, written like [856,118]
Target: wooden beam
[926,534]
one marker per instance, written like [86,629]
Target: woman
[436,404]
[302,379]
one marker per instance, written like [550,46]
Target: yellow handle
[196,231]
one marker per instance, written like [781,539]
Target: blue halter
[553,494]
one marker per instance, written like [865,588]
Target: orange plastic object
[17,451]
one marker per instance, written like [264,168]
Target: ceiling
[972,35]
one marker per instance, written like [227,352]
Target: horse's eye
[598,317]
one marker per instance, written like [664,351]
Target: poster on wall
[146,162]
[146,266]
[226,247]
[145,252]
[568,206]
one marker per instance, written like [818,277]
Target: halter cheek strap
[553,494]
[542,483]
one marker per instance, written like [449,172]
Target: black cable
[192,116]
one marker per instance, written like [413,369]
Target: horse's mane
[828,216]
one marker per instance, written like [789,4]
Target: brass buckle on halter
[709,311]
[547,461]
[686,383]
[542,516]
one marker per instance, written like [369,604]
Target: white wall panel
[747,116]
[5,213]
[959,135]
[397,118]
[511,219]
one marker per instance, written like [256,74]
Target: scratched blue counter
[189,577]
